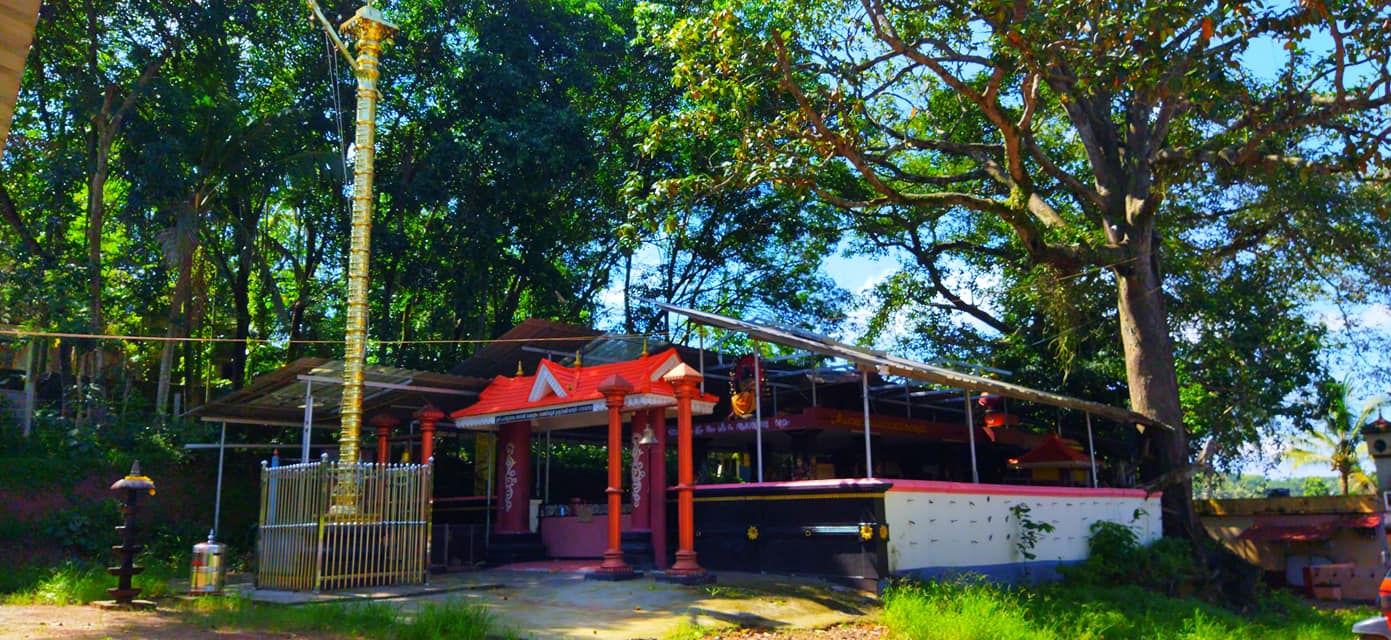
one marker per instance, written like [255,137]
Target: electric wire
[24,333]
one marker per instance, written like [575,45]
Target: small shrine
[1054,462]
[643,392]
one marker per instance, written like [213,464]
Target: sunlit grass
[71,583]
[977,611]
[450,619]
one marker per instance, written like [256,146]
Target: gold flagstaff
[344,524]
[370,30]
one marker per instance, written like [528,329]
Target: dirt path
[91,623]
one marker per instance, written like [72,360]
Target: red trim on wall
[937,486]
[801,484]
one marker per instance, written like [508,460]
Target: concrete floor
[542,600]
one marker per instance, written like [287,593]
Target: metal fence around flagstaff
[302,547]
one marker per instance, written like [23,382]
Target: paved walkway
[553,600]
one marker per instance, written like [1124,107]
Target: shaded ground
[90,623]
[538,604]
[564,605]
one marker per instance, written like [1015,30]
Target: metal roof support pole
[31,374]
[488,502]
[546,488]
[971,435]
[907,401]
[217,501]
[700,331]
[869,453]
[758,408]
[308,420]
[814,373]
[1091,449]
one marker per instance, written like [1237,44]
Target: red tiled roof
[1053,449]
[505,395]
[1297,528]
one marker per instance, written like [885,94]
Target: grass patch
[72,583]
[689,630]
[970,610]
[451,619]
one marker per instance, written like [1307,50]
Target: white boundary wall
[945,528]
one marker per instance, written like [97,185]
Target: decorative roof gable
[545,384]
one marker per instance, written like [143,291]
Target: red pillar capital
[615,390]
[684,381]
[385,423]
[428,415]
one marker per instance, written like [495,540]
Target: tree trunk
[1154,392]
[179,302]
[96,215]
[627,294]
[295,348]
[12,217]
[241,303]
[166,371]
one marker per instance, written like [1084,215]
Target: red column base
[613,568]
[686,571]
[686,563]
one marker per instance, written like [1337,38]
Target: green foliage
[1221,486]
[86,528]
[970,610]
[1116,558]
[1315,486]
[942,135]
[1030,531]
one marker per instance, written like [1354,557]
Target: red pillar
[429,415]
[514,478]
[641,474]
[385,423]
[685,569]
[615,389]
[657,506]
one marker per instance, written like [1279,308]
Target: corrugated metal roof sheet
[278,397]
[887,364]
[17,18]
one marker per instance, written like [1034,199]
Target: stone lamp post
[123,593]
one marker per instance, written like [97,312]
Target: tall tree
[1073,138]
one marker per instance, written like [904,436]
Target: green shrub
[86,528]
[1116,558]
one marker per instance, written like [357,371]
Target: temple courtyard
[533,600]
